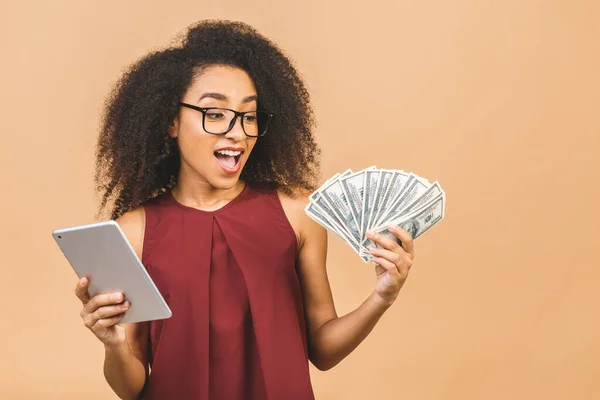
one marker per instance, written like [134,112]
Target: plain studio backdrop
[498,101]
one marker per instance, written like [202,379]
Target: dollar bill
[330,215]
[314,194]
[413,189]
[316,213]
[417,222]
[336,198]
[370,187]
[434,190]
[353,187]
[319,216]
[397,183]
[393,201]
[382,186]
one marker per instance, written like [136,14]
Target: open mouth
[229,159]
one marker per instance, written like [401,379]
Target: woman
[208,153]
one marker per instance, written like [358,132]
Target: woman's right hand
[101,314]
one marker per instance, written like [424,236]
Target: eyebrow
[222,97]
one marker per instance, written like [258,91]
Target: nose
[237,131]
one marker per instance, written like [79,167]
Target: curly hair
[137,160]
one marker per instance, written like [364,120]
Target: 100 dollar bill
[416,222]
[320,216]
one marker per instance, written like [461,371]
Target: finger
[384,241]
[110,311]
[406,240]
[105,312]
[81,290]
[389,255]
[102,300]
[389,266]
[402,261]
[107,322]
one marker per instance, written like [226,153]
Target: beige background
[496,100]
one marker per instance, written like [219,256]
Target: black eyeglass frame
[236,114]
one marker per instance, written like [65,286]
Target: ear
[174,127]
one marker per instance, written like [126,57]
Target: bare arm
[126,366]
[332,338]
[127,345]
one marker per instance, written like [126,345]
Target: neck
[202,195]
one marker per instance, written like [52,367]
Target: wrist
[381,304]
[117,348]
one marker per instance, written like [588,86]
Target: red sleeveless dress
[229,277]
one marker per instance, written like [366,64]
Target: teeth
[229,153]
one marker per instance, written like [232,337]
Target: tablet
[101,252]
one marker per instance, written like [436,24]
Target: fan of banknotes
[352,203]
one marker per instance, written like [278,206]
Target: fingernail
[117,297]
[82,281]
[370,234]
[391,227]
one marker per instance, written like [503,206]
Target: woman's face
[215,159]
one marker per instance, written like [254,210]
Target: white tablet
[101,252]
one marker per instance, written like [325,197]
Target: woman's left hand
[392,263]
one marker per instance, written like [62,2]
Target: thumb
[81,290]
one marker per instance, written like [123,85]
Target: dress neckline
[235,200]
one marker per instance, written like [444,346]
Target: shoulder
[294,202]
[294,207]
[133,224]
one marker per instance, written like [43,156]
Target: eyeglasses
[219,121]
